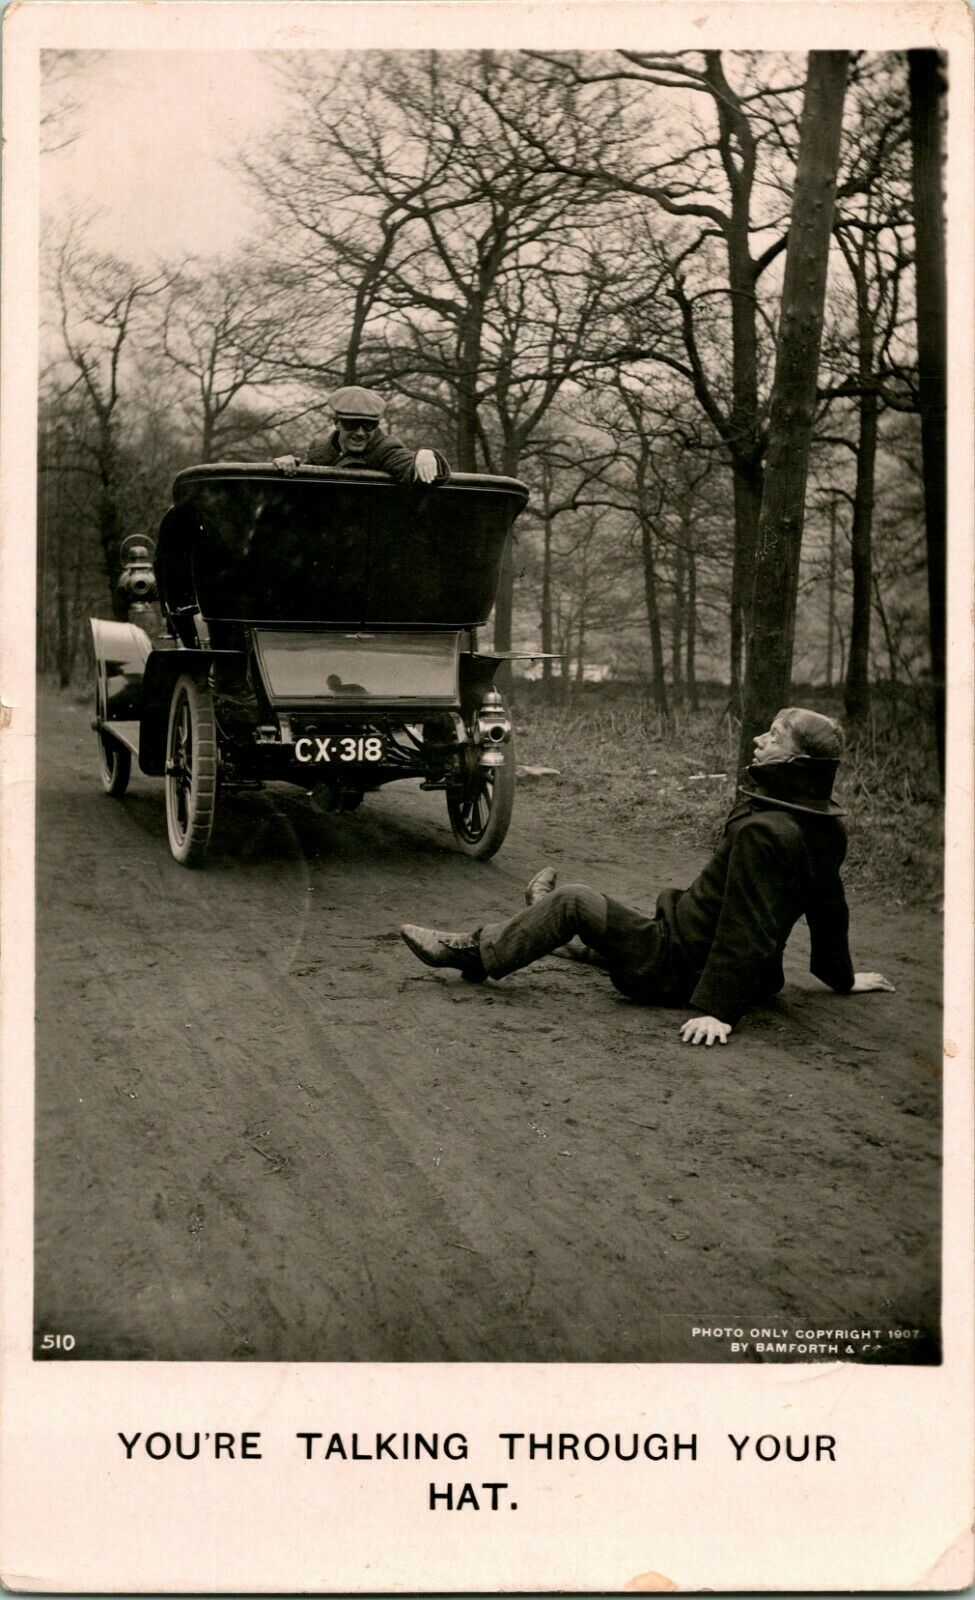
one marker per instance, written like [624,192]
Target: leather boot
[542,884]
[437,949]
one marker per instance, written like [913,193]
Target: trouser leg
[575,911]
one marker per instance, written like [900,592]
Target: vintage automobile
[317,629]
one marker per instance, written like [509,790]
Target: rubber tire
[114,759]
[189,839]
[115,766]
[499,784]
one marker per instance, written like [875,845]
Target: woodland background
[568,268]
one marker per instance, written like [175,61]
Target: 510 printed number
[57,1341]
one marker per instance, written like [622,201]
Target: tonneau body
[243,541]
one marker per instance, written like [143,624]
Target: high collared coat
[718,945]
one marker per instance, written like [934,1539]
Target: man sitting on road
[717,946]
[358,440]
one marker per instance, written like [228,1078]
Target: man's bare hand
[704,1030]
[425,466]
[287,464]
[863,982]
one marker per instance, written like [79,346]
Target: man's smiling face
[355,433]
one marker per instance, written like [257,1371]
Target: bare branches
[563,265]
[63,75]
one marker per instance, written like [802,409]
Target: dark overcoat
[383,453]
[718,946]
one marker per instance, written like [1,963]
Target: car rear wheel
[114,760]
[191,771]
[114,765]
[480,813]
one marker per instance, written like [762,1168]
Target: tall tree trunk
[929,237]
[468,367]
[769,667]
[76,614]
[206,435]
[546,602]
[357,327]
[737,151]
[466,427]
[581,650]
[746,453]
[658,673]
[857,693]
[68,591]
[110,517]
[888,637]
[365,297]
[48,536]
[504,605]
[678,618]
[831,594]
[690,652]
[547,608]
[649,554]
[747,482]
[62,614]
[567,673]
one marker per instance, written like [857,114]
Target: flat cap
[356,402]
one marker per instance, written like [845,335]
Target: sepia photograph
[491,539]
[487,734]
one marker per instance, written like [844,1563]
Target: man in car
[716,947]
[359,440]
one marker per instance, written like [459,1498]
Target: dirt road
[265,1132]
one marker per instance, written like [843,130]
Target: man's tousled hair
[814,734]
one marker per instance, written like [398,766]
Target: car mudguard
[121,652]
[161,672]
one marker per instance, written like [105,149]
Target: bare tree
[926,90]
[794,396]
[645,458]
[214,335]
[594,587]
[563,477]
[460,269]
[709,180]
[62,95]
[98,307]
[64,523]
[871,219]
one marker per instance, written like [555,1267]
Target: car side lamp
[492,729]
[137,580]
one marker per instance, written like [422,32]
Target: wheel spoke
[182,768]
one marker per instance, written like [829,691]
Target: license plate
[340,749]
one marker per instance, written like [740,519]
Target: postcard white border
[893,1512]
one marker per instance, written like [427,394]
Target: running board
[124,733]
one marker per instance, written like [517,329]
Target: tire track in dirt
[385,1168]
